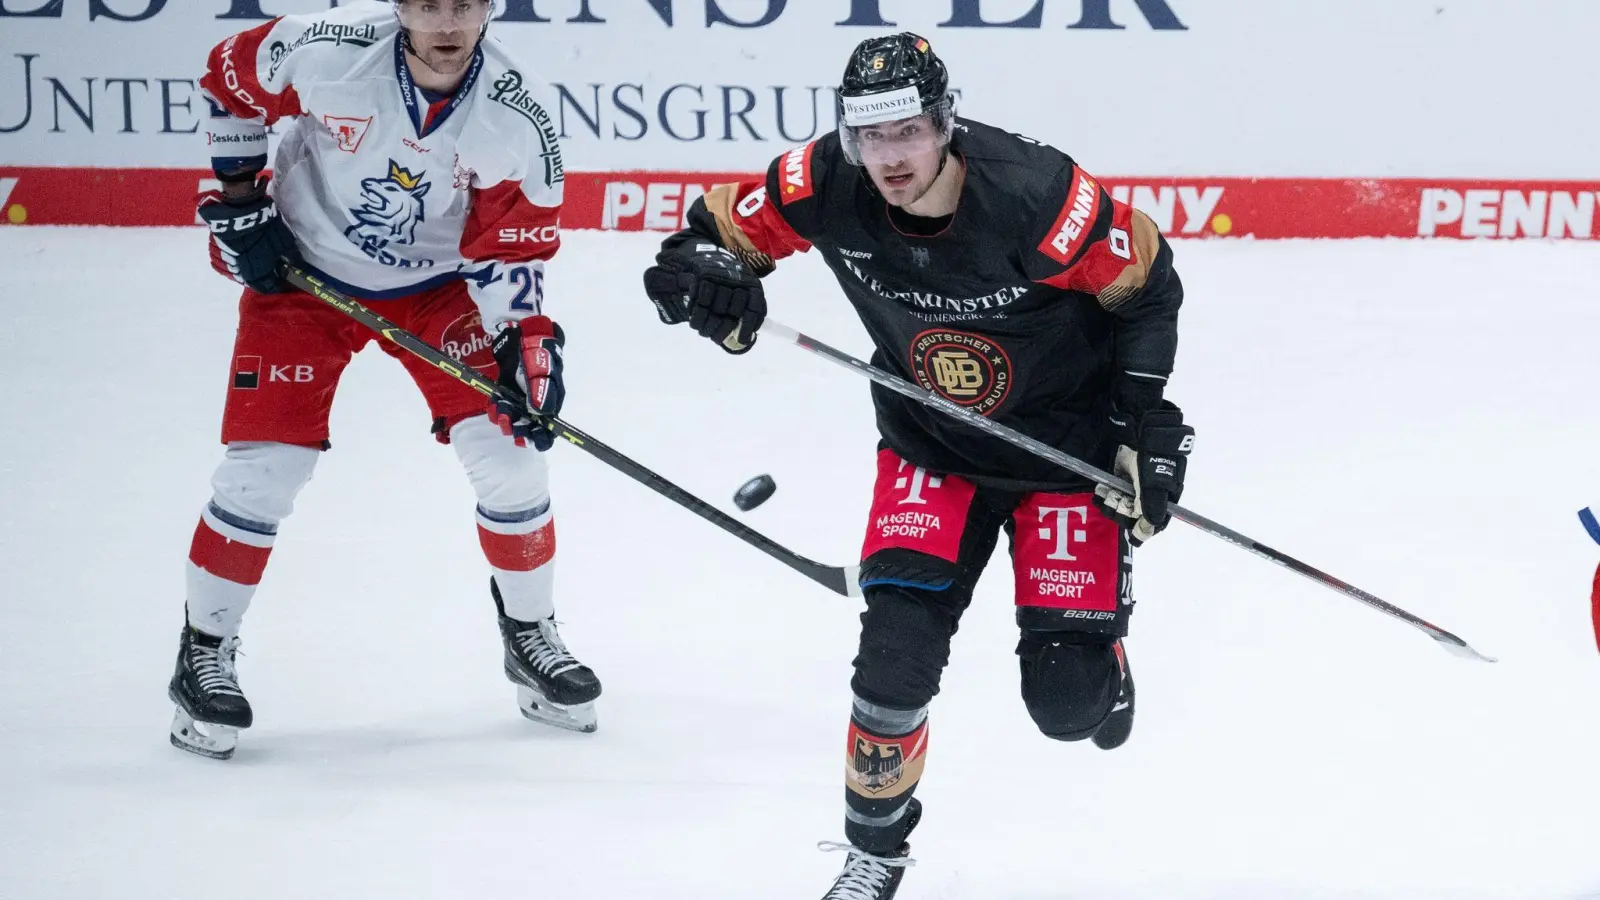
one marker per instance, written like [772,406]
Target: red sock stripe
[1594,601]
[911,746]
[519,552]
[229,560]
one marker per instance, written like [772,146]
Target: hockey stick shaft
[1448,641]
[839,579]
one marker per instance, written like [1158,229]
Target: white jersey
[385,192]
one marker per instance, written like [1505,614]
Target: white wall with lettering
[1348,88]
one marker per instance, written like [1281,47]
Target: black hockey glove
[1153,456]
[707,286]
[248,238]
[528,354]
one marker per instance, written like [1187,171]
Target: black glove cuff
[257,195]
[506,343]
[1162,432]
[1134,397]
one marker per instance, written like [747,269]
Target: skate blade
[535,708]
[203,738]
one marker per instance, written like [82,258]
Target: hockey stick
[839,579]
[1446,640]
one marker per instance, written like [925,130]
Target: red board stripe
[1181,207]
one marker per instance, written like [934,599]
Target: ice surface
[1417,418]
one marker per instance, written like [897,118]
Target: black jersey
[1032,305]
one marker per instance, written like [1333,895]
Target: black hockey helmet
[892,78]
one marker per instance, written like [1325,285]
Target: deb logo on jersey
[392,208]
[964,368]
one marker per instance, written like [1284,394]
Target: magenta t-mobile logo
[916,481]
[1063,532]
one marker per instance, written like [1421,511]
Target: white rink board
[1309,88]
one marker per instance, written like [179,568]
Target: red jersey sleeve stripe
[504,225]
[233,78]
[751,225]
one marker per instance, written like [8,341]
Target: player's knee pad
[509,480]
[1069,681]
[258,481]
[905,642]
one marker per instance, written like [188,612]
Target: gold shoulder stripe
[1146,243]
[720,201]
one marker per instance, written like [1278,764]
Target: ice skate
[872,876]
[552,686]
[205,686]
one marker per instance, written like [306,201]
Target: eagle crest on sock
[881,767]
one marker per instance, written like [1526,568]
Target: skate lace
[214,668]
[864,874]
[543,647]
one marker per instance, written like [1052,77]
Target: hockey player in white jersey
[418,171]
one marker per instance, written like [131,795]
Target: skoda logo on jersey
[392,208]
[965,368]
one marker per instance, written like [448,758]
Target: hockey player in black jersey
[988,268]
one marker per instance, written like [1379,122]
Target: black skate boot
[552,686]
[873,876]
[205,686]
[1114,731]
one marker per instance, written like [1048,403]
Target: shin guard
[884,755]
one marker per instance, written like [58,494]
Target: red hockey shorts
[291,350]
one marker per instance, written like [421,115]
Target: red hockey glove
[529,356]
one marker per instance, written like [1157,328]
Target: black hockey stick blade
[1448,641]
[842,580]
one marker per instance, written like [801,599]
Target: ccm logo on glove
[244,222]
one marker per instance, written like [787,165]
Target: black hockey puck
[754,492]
